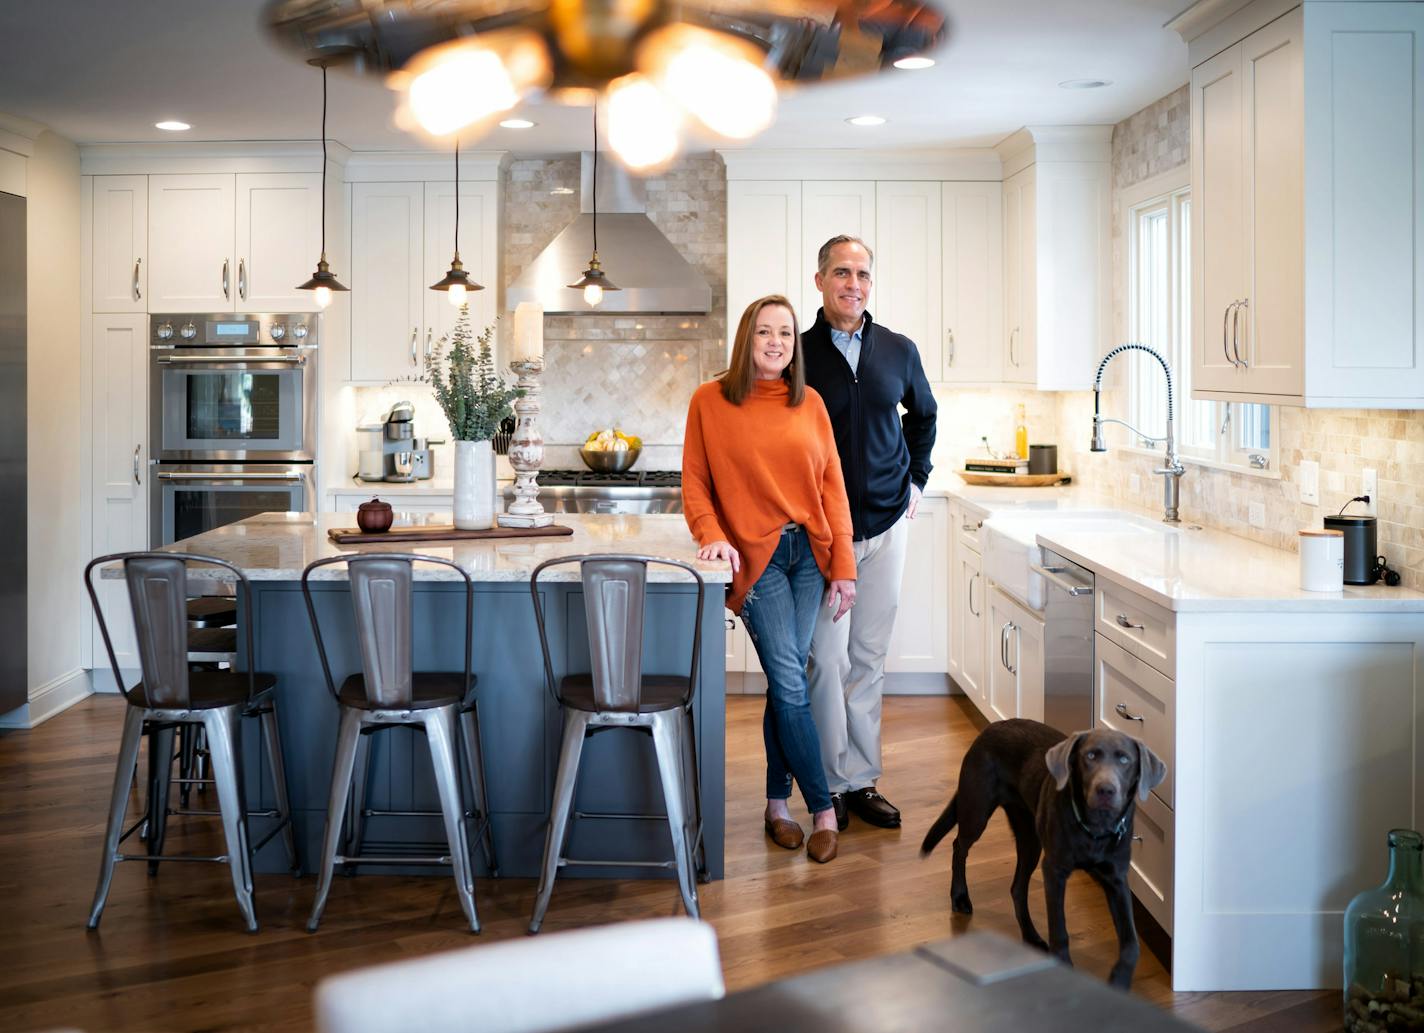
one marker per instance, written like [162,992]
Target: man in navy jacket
[865,373]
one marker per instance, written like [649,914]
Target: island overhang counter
[520,721]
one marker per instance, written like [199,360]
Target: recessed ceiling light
[172,127]
[914,64]
[866,120]
[562,190]
[517,123]
[1085,84]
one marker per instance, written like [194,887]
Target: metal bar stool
[171,695]
[617,694]
[387,693]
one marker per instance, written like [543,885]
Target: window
[1159,313]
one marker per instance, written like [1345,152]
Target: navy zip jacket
[882,452]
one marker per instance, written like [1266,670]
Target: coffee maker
[390,451]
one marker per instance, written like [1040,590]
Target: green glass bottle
[1384,945]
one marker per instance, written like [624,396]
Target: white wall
[58,543]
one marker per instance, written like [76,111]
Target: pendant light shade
[323,281]
[457,282]
[594,280]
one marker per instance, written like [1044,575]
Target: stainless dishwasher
[1067,642]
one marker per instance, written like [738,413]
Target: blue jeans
[780,613]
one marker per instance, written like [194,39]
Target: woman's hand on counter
[840,596]
[721,551]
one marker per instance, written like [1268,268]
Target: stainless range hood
[653,276]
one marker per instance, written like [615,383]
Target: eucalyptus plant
[466,384]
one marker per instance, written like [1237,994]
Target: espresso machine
[390,451]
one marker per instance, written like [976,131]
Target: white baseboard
[53,697]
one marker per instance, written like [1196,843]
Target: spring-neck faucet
[1173,469]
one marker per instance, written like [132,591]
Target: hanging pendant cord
[457,196]
[323,161]
[595,177]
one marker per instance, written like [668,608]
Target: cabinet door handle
[1124,622]
[950,335]
[1137,839]
[226,292]
[973,578]
[242,278]
[414,333]
[428,332]
[1225,320]
[1018,650]
[135,464]
[138,293]
[972,527]
[1122,711]
[1235,343]
[731,623]
[1013,334]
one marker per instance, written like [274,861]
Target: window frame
[1171,191]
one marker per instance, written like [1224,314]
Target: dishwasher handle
[1054,575]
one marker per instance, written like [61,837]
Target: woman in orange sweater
[762,489]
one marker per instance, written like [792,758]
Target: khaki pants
[847,668]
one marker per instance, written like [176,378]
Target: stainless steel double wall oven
[233,417]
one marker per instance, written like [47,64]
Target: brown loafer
[822,845]
[784,833]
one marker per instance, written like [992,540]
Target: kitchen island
[521,723]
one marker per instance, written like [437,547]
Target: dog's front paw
[1121,976]
[959,903]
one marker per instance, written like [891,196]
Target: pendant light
[594,280]
[323,281]
[457,282]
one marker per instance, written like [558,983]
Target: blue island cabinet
[520,724]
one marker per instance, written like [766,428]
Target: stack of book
[1009,465]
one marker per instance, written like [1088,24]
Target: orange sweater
[749,469]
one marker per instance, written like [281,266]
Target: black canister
[1360,546]
[1042,458]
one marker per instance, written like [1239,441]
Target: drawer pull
[731,624]
[1123,622]
[1122,711]
[971,527]
[1137,839]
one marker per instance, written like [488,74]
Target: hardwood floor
[171,955]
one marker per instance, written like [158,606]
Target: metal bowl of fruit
[611,451]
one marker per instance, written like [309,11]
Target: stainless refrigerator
[14,681]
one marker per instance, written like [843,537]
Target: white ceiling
[106,70]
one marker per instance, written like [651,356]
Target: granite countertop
[1188,568]
[277,546]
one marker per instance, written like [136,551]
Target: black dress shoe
[838,802]
[872,808]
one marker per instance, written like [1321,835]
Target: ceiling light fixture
[659,66]
[517,123]
[1084,84]
[867,120]
[172,127]
[323,281]
[594,280]
[915,63]
[457,282]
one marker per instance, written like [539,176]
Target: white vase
[474,485]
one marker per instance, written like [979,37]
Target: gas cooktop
[594,479]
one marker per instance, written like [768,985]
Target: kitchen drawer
[969,525]
[1137,700]
[1150,875]
[1144,629]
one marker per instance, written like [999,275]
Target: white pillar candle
[528,331]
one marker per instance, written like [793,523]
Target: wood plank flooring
[170,954]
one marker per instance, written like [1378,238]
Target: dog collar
[1116,831]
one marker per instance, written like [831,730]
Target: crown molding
[18,134]
[400,166]
[1202,15]
[1033,144]
[181,156]
[960,164]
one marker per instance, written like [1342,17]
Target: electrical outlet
[1310,482]
[1257,514]
[1370,486]
[1134,484]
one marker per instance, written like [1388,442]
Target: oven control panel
[226,330]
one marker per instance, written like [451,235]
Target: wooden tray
[1014,480]
[441,533]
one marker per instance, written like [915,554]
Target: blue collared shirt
[848,344]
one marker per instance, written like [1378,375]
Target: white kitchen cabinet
[120,234]
[736,642]
[765,250]
[191,223]
[1013,652]
[830,209]
[908,266]
[387,272]
[278,240]
[1134,698]
[918,643]
[1308,213]
[119,435]
[1020,278]
[967,611]
[972,240]
[479,252]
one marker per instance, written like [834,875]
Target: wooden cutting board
[441,533]
[1014,480]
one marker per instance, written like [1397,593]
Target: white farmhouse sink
[1010,546]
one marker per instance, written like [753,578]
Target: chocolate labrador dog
[1070,799]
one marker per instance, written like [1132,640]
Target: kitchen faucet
[1173,469]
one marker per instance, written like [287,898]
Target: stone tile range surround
[634,371]
[1343,442]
